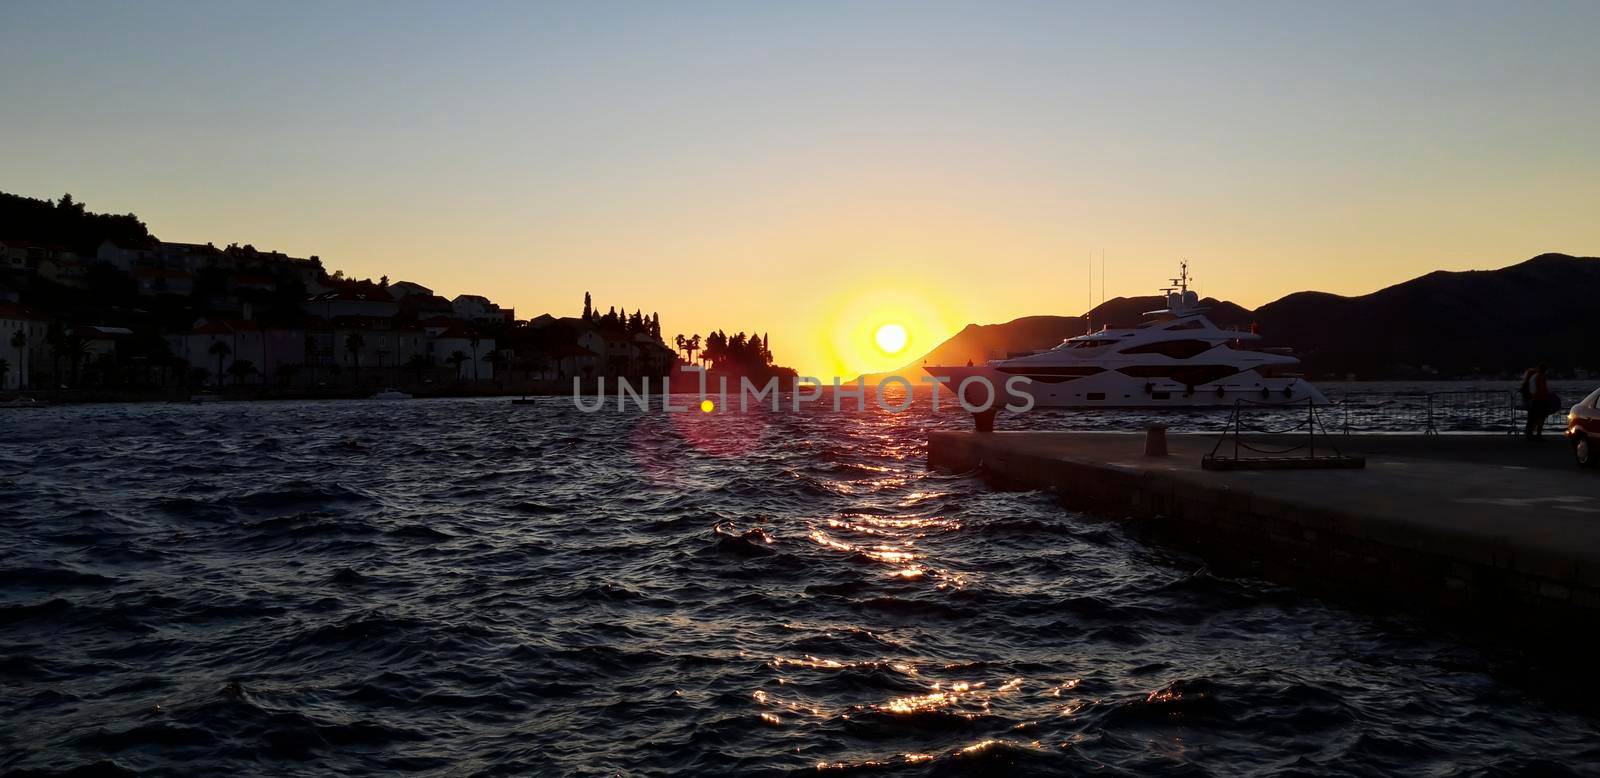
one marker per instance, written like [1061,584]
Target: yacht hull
[1111,389]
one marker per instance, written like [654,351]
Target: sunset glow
[775,159]
[891,338]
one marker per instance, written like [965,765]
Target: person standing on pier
[1536,398]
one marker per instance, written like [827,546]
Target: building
[193,257]
[15,320]
[572,361]
[653,357]
[471,344]
[425,306]
[379,343]
[477,308]
[402,290]
[101,340]
[152,281]
[125,258]
[266,349]
[254,282]
[364,300]
[66,270]
[26,255]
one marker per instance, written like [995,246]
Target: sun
[891,338]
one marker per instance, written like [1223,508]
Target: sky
[815,170]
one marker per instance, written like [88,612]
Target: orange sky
[815,171]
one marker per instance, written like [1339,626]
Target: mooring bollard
[1155,440]
[984,420]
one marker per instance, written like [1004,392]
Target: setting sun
[891,338]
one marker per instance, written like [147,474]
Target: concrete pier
[1479,526]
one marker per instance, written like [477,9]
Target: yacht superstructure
[1179,358]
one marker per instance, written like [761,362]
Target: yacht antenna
[1088,316]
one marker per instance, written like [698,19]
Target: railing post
[1311,426]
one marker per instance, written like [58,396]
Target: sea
[474,587]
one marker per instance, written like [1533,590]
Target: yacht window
[1192,324]
[1097,395]
[1037,370]
[1091,343]
[1177,349]
[1189,375]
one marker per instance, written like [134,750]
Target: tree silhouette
[286,373]
[240,370]
[55,336]
[219,350]
[496,360]
[456,360]
[18,341]
[692,346]
[474,343]
[311,356]
[418,363]
[353,344]
[588,307]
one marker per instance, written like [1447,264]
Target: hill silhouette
[1449,324]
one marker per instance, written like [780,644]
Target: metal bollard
[1155,440]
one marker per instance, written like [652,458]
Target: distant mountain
[1476,322]
[1456,323]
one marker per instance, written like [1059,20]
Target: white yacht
[1178,359]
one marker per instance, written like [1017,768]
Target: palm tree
[353,343]
[475,341]
[496,360]
[18,341]
[55,337]
[76,349]
[419,363]
[240,370]
[311,356]
[456,360]
[219,350]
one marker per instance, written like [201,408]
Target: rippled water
[470,587]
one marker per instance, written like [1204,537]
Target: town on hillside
[93,306]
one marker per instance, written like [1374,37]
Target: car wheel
[1583,451]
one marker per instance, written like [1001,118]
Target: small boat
[391,394]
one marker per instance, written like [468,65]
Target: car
[1583,428]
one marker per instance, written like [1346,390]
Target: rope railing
[1276,456]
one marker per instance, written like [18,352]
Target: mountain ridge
[1445,323]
